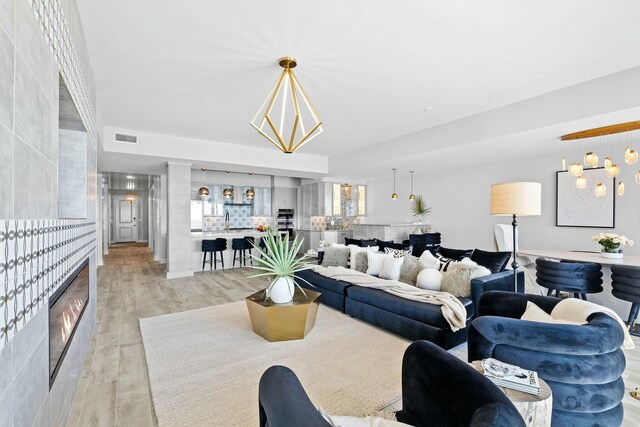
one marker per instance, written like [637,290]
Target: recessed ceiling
[202,68]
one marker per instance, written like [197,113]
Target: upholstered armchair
[581,363]
[438,390]
[282,401]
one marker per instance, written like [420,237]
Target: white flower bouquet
[611,242]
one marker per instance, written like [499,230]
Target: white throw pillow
[391,268]
[429,261]
[355,250]
[430,279]
[375,261]
[533,313]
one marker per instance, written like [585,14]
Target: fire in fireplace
[66,307]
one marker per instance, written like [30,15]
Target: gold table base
[283,322]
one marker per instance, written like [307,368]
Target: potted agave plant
[279,261]
[419,208]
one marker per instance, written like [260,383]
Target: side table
[282,322]
[535,410]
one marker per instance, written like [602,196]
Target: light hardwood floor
[113,389]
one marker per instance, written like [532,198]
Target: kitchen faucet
[227,223]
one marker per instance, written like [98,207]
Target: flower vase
[612,255]
[281,290]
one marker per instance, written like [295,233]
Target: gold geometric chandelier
[591,160]
[283,119]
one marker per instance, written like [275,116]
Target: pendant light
[130,198]
[601,190]
[621,188]
[594,161]
[250,193]
[575,169]
[394,195]
[412,196]
[608,162]
[203,191]
[613,171]
[630,156]
[228,193]
[581,182]
[270,119]
[589,157]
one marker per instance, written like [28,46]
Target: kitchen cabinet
[336,236]
[311,239]
[261,201]
[284,198]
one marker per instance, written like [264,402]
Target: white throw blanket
[453,310]
[577,310]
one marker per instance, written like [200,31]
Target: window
[362,200]
[336,209]
[196,214]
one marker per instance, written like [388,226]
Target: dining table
[605,297]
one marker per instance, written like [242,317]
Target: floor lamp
[516,199]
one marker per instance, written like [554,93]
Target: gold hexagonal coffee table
[283,322]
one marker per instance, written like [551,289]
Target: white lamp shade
[516,198]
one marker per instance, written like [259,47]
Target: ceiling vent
[129,139]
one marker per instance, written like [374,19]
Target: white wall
[460,199]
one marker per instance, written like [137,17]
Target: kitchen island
[196,246]
[387,232]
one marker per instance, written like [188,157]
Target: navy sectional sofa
[410,319]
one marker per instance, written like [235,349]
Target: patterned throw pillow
[391,268]
[444,262]
[397,253]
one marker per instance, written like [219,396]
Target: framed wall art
[581,207]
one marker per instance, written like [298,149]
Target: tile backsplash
[238,218]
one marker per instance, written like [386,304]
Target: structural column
[178,220]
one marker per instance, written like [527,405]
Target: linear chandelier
[591,160]
[282,117]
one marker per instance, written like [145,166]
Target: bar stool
[579,278]
[240,247]
[625,282]
[213,247]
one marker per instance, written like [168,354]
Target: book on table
[511,376]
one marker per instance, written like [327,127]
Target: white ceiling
[201,68]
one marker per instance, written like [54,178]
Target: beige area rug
[204,365]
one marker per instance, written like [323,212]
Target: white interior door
[126,229]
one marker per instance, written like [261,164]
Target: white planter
[612,255]
[282,290]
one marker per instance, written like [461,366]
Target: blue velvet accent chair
[625,282]
[578,278]
[582,364]
[438,389]
[282,401]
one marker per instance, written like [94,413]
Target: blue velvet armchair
[581,363]
[438,390]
